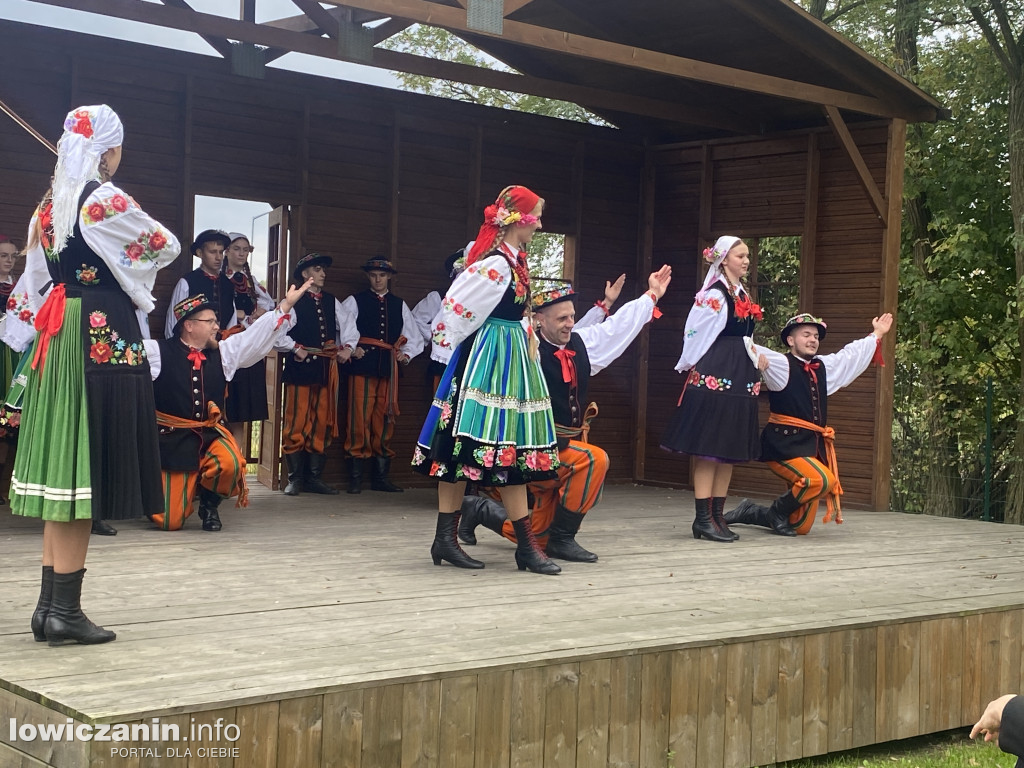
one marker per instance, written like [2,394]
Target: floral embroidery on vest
[107,346]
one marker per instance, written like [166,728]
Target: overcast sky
[247,217]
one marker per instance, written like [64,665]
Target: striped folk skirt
[490,420]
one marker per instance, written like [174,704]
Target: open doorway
[250,218]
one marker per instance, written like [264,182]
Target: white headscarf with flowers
[714,256]
[88,133]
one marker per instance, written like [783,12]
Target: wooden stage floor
[320,627]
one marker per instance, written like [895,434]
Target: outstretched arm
[607,341]
[852,360]
[244,349]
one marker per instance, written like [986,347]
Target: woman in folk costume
[716,417]
[88,444]
[247,391]
[490,421]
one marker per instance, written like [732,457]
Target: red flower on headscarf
[80,124]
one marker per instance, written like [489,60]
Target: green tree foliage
[445,46]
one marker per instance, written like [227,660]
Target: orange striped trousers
[220,470]
[306,425]
[369,428]
[808,480]
[581,473]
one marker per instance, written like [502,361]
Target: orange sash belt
[582,432]
[212,422]
[829,435]
[49,320]
[330,351]
[396,350]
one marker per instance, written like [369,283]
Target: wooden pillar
[894,168]
[809,237]
[645,260]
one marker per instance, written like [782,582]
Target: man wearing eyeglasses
[198,455]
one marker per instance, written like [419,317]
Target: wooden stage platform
[319,629]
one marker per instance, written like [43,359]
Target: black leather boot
[381,481]
[717,508]
[355,475]
[65,621]
[314,469]
[562,538]
[479,510]
[704,526]
[446,544]
[101,528]
[208,505]
[775,517]
[528,551]
[43,605]
[296,467]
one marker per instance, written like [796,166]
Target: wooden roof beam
[863,173]
[554,41]
[262,34]
[219,44]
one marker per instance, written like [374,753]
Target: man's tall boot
[562,538]
[43,605]
[480,510]
[775,517]
[355,474]
[381,481]
[315,468]
[65,621]
[101,528]
[209,502]
[296,467]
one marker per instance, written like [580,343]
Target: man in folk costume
[797,443]
[198,454]
[323,336]
[569,355]
[388,338]
[208,280]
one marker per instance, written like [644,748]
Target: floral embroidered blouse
[131,244]
[706,321]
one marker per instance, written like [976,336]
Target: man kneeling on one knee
[797,443]
[570,354]
[198,454]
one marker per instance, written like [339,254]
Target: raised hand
[612,291]
[658,281]
[881,325]
[294,294]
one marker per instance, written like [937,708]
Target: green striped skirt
[490,420]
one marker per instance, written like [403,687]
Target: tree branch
[845,9]
[1012,50]
[986,30]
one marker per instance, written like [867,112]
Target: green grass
[942,750]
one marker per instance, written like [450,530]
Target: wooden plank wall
[733,704]
[758,188]
[374,171]
[369,171]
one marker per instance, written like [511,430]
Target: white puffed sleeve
[470,300]
[707,319]
[423,315]
[26,299]
[132,244]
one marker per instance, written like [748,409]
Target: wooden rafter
[150,13]
[554,41]
[842,133]
[219,44]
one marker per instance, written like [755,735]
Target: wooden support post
[809,237]
[863,174]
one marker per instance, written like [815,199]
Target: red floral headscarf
[513,206]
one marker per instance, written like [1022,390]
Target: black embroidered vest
[182,391]
[804,400]
[568,403]
[380,317]
[315,324]
[217,290]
